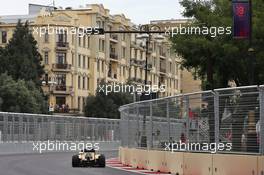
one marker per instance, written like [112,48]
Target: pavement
[52,164]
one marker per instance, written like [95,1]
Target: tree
[106,106]
[20,58]
[20,96]
[222,58]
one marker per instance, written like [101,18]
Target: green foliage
[20,73]
[106,106]
[20,58]
[222,58]
[20,96]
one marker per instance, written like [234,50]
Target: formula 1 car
[88,158]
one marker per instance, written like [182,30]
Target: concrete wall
[181,163]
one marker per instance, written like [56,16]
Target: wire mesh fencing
[16,127]
[222,120]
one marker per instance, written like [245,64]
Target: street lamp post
[251,49]
[148,29]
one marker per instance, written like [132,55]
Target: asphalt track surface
[51,164]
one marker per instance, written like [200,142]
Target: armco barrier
[182,163]
[230,164]
[28,147]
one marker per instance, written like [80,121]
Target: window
[83,102]
[103,66]
[124,71]
[103,25]
[98,66]
[73,39]
[123,36]
[84,82]
[60,58]
[88,42]
[80,41]
[103,45]
[4,37]
[61,37]
[79,82]
[79,103]
[88,83]
[73,59]
[124,52]
[46,57]
[98,24]
[61,79]
[99,44]
[176,69]
[46,37]
[79,60]
[84,61]
[88,63]
[176,84]
[170,67]
[84,41]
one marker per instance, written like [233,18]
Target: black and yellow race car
[88,158]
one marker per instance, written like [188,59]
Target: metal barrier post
[151,124]
[168,118]
[261,121]
[186,111]
[216,116]
[138,126]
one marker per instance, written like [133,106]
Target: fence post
[186,99]
[261,121]
[216,116]
[138,126]
[168,118]
[151,124]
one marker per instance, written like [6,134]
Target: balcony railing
[114,36]
[163,54]
[113,56]
[163,70]
[149,66]
[64,45]
[61,66]
[62,89]
[134,61]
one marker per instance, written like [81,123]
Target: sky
[139,11]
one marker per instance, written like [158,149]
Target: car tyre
[101,161]
[75,161]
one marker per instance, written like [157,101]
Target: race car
[88,158]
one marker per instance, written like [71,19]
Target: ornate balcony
[62,45]
[61,67]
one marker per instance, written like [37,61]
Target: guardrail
[21,128]
[230,116]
